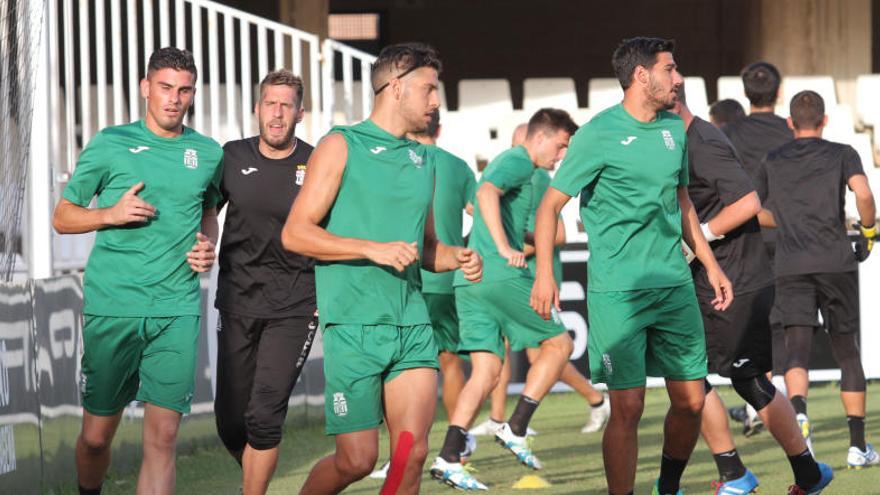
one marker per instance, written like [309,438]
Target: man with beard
[265,294]
[364,213]
[157,184]
[629,164]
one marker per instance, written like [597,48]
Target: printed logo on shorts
[83,379]
[300,174]
[340,407]
[667,139]
[740,362]
[416,159]
[190,158]
[606,363]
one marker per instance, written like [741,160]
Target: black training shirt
[258,277]
[753,137]
[807,180]
[717,179]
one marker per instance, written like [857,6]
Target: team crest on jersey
[300,174]
[416,159]
[667,139]
[190,158]
[340,407]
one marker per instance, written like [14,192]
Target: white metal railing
[349,56]
[96,90]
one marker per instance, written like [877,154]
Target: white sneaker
[488,427]
[382,472]
[598,416]
[518,446]
[806,430]
[856,459]
[455,475]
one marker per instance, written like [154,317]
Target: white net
[20,29]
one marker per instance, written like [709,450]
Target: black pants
[258,363]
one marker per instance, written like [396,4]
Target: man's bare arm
[302,232]
[70,218]
[735,214]
[545,291]
[693,236]
[864,199]
[489,201]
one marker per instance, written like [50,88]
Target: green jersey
[384,196]
[540,183]
[140,270]
[627,173]
[453,190]
[511,171]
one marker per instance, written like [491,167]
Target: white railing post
[196,30]
[101,64]
[247,86]
[116,50]
[214,72]
[318,128]
[133,86]
[229,57]
[164,24]
[69,155]
[347,87]
[85,76]
[327,81]
[366,88]
[39,177]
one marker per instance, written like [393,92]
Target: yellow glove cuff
[869,232]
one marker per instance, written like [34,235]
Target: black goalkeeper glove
[865,242]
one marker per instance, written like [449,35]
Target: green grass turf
[573,460]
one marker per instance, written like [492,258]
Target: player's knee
[95,443]
[692,405]
[263,429]
[356,465]
[418,454]
[560,345]
[758,391]
[162,436]
[627,408]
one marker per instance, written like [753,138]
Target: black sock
[670,473]
[522,414]
[730,466]
[799,402]
[454,444]
[90,491]
[600,403]
[857,432]
[806,471]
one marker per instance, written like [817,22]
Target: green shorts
[358,360]
[490,311]
[444,320]
[152,360]
[633,334]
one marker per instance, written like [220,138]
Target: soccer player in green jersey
[364,213]
[629,164]
[157,184]
[498,308]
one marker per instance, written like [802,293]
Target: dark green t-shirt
[384,196]
[453,189]
[628,173]
[140,270]
[511,171]
[540,183]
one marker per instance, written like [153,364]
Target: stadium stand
[556,92]
[603,93]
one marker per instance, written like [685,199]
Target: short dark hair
[551,120]
[283,77]
[807,110]
[726,111]
[761,83]
[403,58]
[633,52]
[172,58]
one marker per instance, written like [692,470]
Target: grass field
[573,460]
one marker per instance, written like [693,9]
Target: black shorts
[258,363]
[739,341]
[835,295]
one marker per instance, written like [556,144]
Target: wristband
[868,232]
[708,234]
